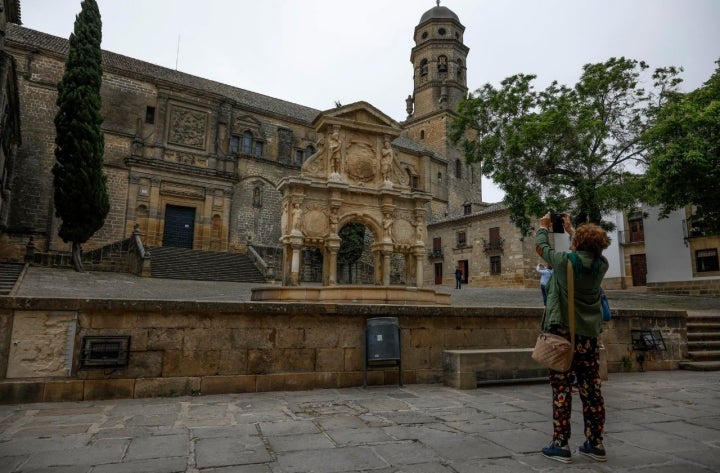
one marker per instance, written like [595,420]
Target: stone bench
[466,369]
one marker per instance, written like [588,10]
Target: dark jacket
[588,313]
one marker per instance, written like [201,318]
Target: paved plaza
[666,422]
[660,422]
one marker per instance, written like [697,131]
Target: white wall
[613,253]
[668,258]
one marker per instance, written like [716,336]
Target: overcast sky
[316,52]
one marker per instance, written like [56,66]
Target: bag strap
[571,301]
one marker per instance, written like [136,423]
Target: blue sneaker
[597,452]
[556,453]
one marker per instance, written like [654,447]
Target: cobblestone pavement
[45,282]
[663,422]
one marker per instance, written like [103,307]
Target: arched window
[460,69]
[424,67]
[458,169]
[442,63]
[247,143]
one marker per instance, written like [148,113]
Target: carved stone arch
[369,221]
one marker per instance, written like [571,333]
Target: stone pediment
[360,113]
[355,147]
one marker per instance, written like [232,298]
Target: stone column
[295,265]
[386,267]
[419,272]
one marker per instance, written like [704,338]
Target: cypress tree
[81,198]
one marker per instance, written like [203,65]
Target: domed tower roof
[439,13]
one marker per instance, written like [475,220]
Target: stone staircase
[703,333]
[9,274]
[181,263]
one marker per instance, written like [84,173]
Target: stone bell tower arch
[354,176]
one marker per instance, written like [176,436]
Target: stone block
[287,360]
[113,320]
[296,381]
[348,379]
[63,391]
[167,387]
[228,384]
[164,339]
[108,389]
[194,363]
[233,362]
[290,338]
[464,369]
[353,359]
[329,359]
[204,339]
[260,338]
[21,392]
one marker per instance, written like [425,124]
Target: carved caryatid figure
[296,217]
[334,150]
[387,226]
[333,220]
[386,159]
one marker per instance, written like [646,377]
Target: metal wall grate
[105,351]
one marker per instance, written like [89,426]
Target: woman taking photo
[589,268]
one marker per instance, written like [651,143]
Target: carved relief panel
[187,127]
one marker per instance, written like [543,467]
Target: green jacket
[588,314]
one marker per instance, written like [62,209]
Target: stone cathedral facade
[195,163]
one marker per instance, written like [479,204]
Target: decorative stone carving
[403,232]
[187,127]
[315,224]
[361,162]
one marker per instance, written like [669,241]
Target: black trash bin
[382,345]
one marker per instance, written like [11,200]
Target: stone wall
[211,348]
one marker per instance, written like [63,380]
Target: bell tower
[439,63]
[439,85]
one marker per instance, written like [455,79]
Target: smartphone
[557,223]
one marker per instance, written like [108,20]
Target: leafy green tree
[566,149]
[80,185]
[684,163]
[352,245]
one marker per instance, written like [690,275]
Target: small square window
[467,209]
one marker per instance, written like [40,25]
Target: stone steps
[703,335]
[181,263]
[9,275]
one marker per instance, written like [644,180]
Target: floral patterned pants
[586,370]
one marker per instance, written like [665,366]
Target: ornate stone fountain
[355,176]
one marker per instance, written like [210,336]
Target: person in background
[589,268]
[458,278]
[545,273]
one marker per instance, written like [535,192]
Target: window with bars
[707,260]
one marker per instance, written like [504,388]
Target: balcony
[435,254]
[627,238]
[493,246]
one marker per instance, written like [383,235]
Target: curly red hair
[591,238]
